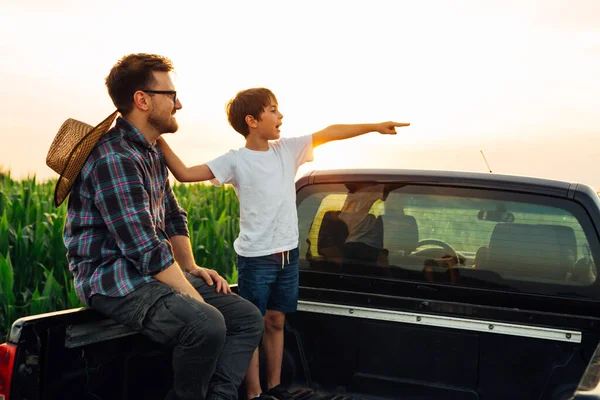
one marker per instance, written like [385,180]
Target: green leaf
[38,304]
[7,296]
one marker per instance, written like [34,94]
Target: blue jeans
[212,342]
[270,282]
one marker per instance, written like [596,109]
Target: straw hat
[69,150]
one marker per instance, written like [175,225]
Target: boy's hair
[131,73]
[248,102]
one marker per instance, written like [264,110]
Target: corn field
[34,274]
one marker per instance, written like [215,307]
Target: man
[129,248]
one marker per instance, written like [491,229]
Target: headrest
[401,232]
[542,251]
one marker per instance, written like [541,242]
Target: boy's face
[270,121]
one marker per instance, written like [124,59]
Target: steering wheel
[438,243]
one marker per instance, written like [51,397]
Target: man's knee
[256,322]
[209,333]
[252,321]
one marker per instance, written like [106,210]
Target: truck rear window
[449,235]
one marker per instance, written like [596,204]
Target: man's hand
[212,277]
[389,128]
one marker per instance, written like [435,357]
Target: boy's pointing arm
[339,132]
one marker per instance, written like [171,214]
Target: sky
[518,80]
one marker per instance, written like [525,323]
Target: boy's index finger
[400,124]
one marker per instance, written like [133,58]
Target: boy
[263,175]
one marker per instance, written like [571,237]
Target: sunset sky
[519,80]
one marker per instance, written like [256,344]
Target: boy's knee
[274,321]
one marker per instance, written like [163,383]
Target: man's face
[163,106]
[270,121]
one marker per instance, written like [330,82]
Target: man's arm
[340,132]
[173,276]
[184,256]
[180,171]
[124,204]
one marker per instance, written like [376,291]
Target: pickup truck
[413,285]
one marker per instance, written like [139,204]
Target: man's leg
[195,330]
[245,327]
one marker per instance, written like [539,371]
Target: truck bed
[344,356]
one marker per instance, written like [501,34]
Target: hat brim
[77,157]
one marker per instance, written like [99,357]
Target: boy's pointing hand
[389,128]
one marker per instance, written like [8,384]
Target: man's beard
[162,124]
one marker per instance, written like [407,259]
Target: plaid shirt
[121,213]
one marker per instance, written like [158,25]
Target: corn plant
[34,273]
[213,222]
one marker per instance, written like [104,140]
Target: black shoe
[262,396]
[279,393]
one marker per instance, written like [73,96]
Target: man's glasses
[169,92]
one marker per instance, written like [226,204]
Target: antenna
[486,163]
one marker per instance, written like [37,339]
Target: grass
[34,273]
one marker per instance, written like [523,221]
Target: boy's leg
[273,346]
[244,328]
[252,379]
[256,275]
[283,299]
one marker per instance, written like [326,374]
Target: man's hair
[248,102]
[131,73]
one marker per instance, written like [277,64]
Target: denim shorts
[270,282]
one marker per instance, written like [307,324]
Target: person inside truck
[128,242]
[364,242]
[263,175]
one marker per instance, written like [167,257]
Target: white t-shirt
[265,184]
